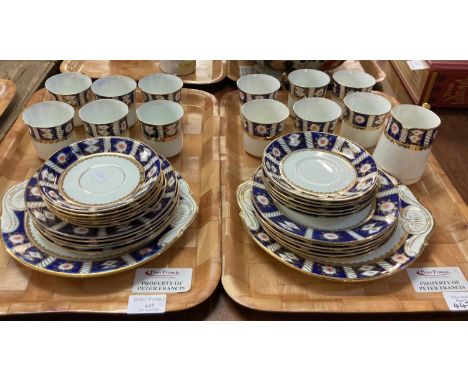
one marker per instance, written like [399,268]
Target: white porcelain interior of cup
[317,109]
[334,223]
[367,103]
[103,111]
[354,78]
[416,117]
[48,114]
[258,84]
[265,111]
[113,86]
[68,83]
[160,83]
[309,78]
[160,112]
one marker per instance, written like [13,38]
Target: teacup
[306,83]
[363,117]
[117,87]
[105,117]
[178,67]
[316,114]
[161,126]
[403,149]
[72,88]
[262,121]
[159,86]
[350,81]
[257,86]
[50,125]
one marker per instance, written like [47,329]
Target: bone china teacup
[403,149]
[257,86]
[50,125]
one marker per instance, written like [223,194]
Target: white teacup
[257,86]
[50,125]
[105,117]
[306,83]
[161,126]
[178,67]
[117,87]
[72,88]
[262,120]
[350,81]
[363,117]
[159,86]
[405,145]
[316,114]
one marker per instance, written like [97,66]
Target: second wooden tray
[206,72]
[256,280]
[25,291]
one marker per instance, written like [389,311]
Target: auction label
[138,304]
[162,280]
[456,300]
[438,279]
[417,64]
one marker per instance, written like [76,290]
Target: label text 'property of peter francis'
[162,280]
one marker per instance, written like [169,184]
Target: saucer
[98,174]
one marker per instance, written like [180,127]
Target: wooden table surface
[451,150]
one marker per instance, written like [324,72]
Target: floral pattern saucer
[65,159]
[366,174]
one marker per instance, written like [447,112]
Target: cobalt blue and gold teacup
[350,81]
[257,86]
[121,88]
[161,126]
[316,114]
[161,86]
[72,88]
[404,147]
[104,118]
[50,125]
[305,83]
[262,121]
[363,117]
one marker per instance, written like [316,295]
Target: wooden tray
[25,291]
[7,92]
[207,72]
[368,66]
[256,280]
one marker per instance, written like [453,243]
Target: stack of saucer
[319,174]
[102,197]
[321,196]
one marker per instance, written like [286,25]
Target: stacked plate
[97,200]
[320,198]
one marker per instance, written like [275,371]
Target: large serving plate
[206,72]
[32,250]
[259,281]
[22,290]
[416,225]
